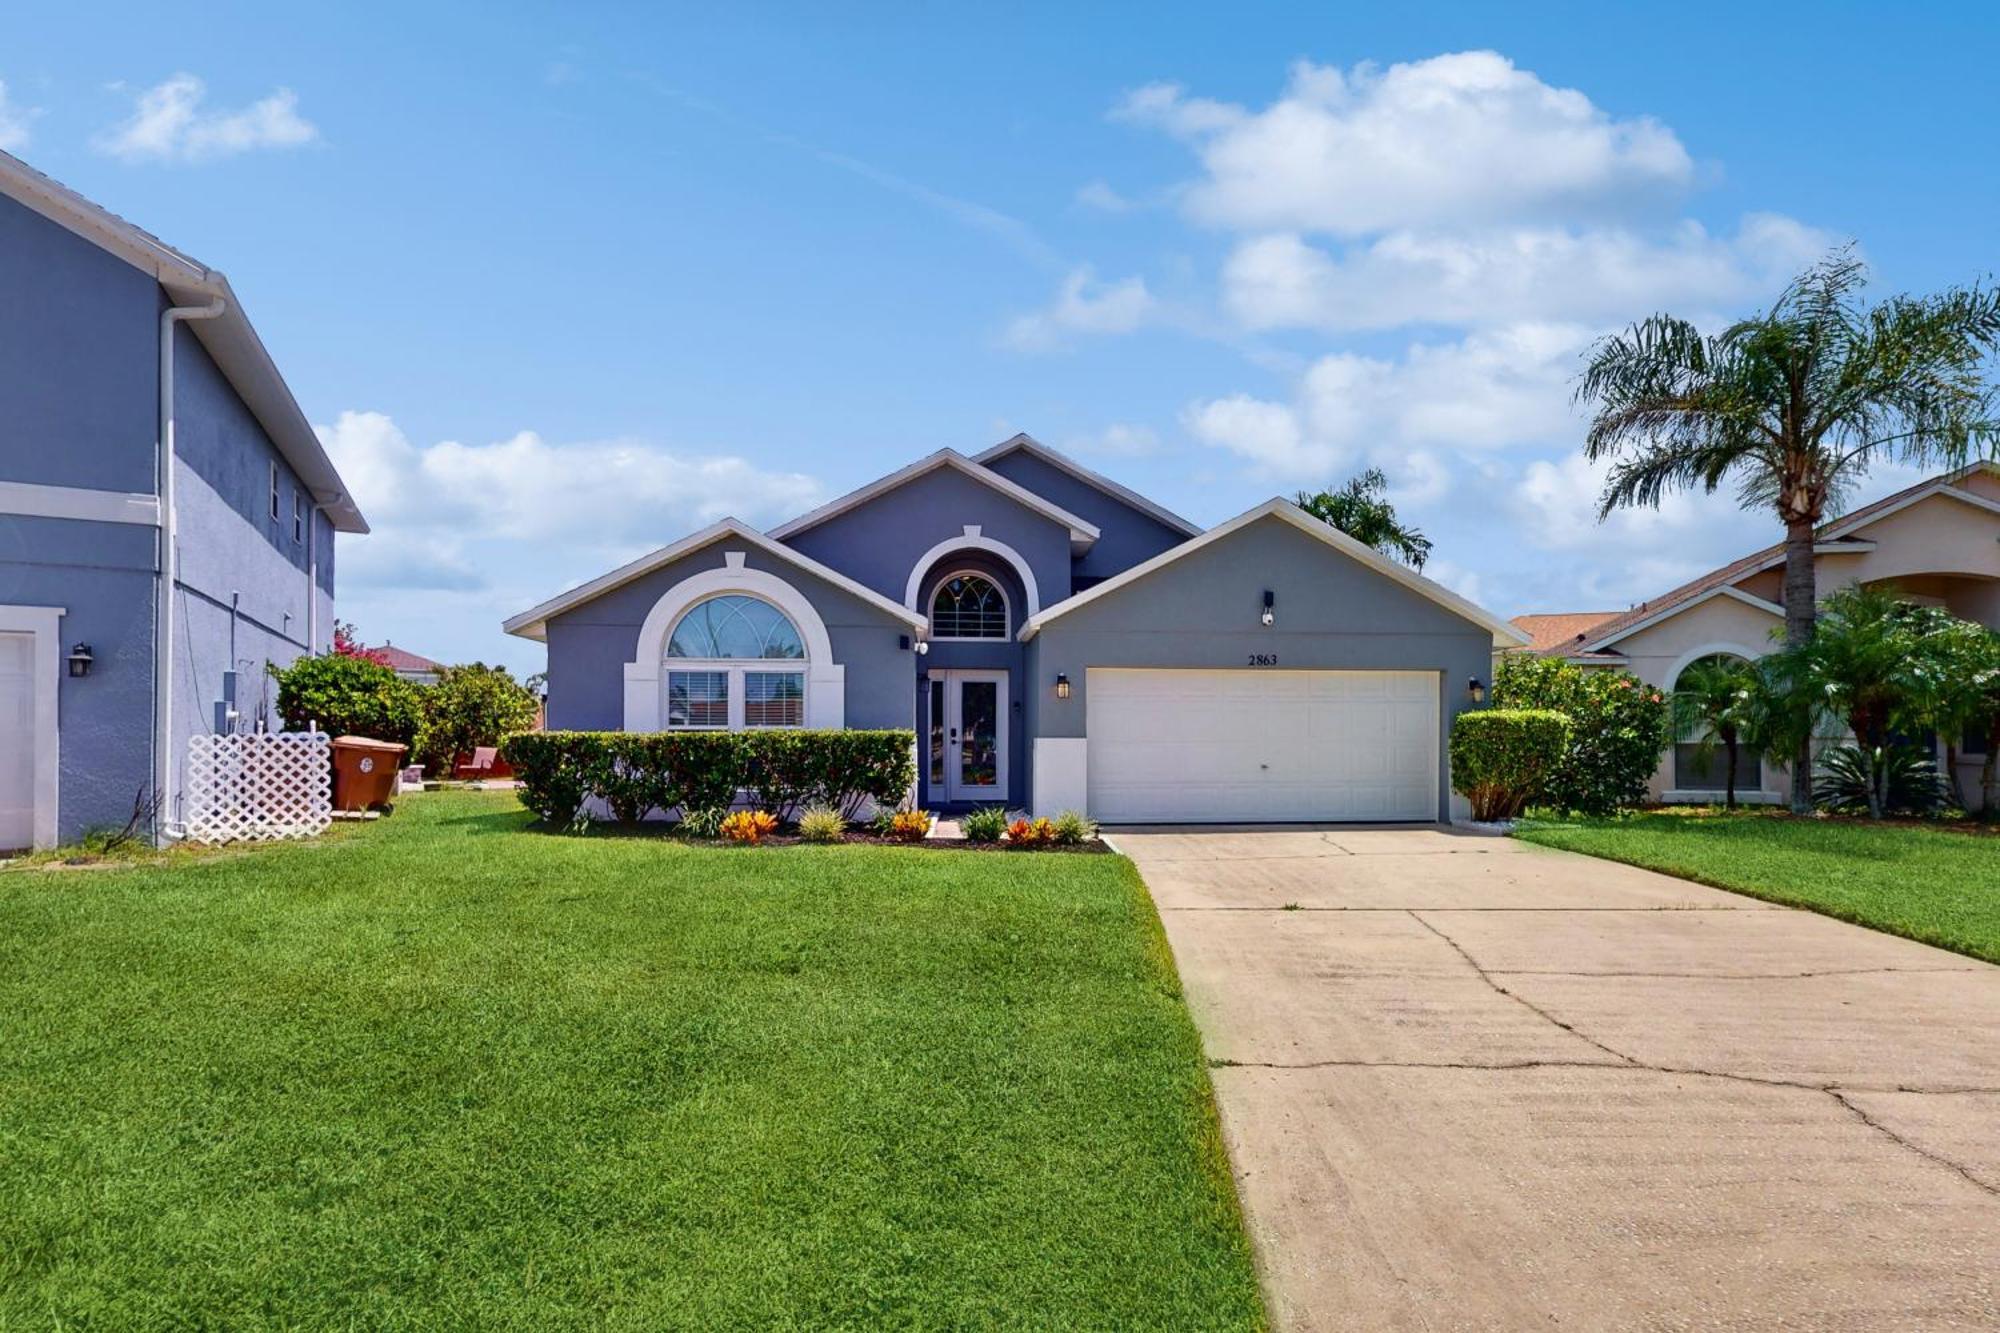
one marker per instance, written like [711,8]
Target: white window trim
[972,539]
[43,624]
[277,514]
[299,516]
[1006,634]
[645,675]
[1683,795]
[737,691]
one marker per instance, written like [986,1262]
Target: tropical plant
[1958,694]
[1794,406]
[347,643]
[1882,780]
[470,706]
[704,821]
[822,824]
[1031,833]
[1619,726]
[750,826]
[910,825]
[348,696]
[988,823]
[1502,758]
[1361,509]
[1072,829]
[1718,702]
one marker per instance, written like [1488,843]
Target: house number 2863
[1263,659]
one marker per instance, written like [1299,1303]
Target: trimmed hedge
[637,773]
[1502,757]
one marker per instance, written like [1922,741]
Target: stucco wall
[1128,536]
[1332,612]
[589,645]
[879,542]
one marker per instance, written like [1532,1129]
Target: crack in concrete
[1639,1067]
[1832,1090]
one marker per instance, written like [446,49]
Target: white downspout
[163,660]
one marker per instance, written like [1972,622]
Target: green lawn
[1937,885]
[443,1072]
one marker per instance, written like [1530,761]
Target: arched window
[1700,762]
[710,684]
[968,606]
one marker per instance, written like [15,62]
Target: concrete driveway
[1470,1083]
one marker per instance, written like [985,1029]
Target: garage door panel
[1225,746]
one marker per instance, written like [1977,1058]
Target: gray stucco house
[142,416]
[1054,639]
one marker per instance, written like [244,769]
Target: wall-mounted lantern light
[80,658]
[903,642]
[1476,690]
[1062,686]
[1270,606]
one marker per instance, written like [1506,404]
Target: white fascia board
[1504,634]
[1088,477]
[1082,533]
[230,338]
[1668,613]
[533,624]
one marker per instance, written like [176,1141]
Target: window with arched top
[712,684]
[968,606]
[1701,763]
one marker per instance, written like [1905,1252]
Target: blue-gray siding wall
[1332,612]
[1127,537]
[877,543]
[590,644]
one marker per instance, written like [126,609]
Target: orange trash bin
[364,772]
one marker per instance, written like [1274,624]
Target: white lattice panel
[275,784]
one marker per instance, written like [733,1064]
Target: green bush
[822,824]
[1071,828]
[986,824]
[349,696]
[1910,781]
[1501,758]
[704,770]
[470,706]
[704,822]
[1619,728]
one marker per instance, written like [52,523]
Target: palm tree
[1958,672]
[1361,510]
[1716,703]
[1794,406]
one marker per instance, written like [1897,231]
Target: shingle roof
[402,659]
[1560,629]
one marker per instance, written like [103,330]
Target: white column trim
[971,540]
[44,625]
[826,680]
[29,500]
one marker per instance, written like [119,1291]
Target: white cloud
[1084,305]
[14,122]
[1118,440]
[170,124]
[1101,197]
[1595,275]
[1454,139]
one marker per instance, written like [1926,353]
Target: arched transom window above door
[715,680]
[968,606]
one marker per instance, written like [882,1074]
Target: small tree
[471,706]
[1361,510]
[1619,726]
[1716,703]
[1957,675]
[347,643]
[348,696]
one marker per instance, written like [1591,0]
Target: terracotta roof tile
[401,659]
[1560,629]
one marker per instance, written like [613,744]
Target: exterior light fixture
[80,658]
[923,647]
[1270,602]
[1476,689]
[1062,686]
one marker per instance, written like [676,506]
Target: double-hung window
[733,663]
[298,516]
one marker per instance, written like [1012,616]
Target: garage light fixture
[1476,690]
[923,645]
[80,658]
[1062,686]
[1270,602]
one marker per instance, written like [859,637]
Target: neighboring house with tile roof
[413,667]
[1937,542]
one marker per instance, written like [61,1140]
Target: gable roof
[1504,634]
[233,344]
[1834,537]
[1081,532]
[533,623]
[1561,628]
[1028,444]
[402,659]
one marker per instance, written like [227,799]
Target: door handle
[954,733]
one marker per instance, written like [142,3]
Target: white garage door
[1255,745]
[17,741]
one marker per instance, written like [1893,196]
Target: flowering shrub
[751,826]
[1031,832]
[910,825]
[1619,727]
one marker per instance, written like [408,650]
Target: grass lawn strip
[1940,886]
[444,1072]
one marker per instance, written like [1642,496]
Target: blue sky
[561,283]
